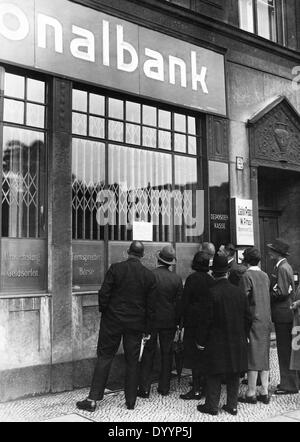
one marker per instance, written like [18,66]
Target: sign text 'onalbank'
[68,39]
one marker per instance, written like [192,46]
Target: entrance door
[268,231]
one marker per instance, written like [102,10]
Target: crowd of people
[226,310]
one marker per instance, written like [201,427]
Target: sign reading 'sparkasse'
[67,39]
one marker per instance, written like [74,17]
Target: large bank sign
[64,38]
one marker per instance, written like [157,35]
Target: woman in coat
[195,306]
[256,285]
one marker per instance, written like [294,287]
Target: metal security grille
[133,162]
[24,159]
[88,165]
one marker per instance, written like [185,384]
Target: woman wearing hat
[282,291]
[167,315]
[196,304]
[256,285]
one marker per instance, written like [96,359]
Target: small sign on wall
[243,222]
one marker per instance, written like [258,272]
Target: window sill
[85,292]
[24,295]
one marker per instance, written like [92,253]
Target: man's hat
[251,253]
[208,247]
[166,255]
[230,247]
[220,264]
[280,246]
[136,248]
[201,261]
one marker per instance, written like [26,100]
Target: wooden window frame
[280,21]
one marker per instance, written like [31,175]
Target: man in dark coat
[127,303]
[167,315]
[225,347]
[282,291]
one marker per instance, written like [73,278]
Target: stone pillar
[60,234]
[239,147]
[254,196]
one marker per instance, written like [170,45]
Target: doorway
[268,230]
[279,212]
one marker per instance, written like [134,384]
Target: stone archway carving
[274,135]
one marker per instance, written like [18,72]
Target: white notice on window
[142,231]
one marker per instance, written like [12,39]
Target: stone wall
[25,346]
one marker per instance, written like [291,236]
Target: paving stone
[294,414]
[155,409]
[74,417]
[281,418]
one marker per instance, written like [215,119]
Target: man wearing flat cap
[282,292]
[169,291]
[127,303]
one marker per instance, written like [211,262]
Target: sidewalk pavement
[60,407]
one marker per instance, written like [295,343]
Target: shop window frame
[42,227]
[41,236]
[213,234]
[199,136]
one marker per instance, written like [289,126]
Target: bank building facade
[167,121]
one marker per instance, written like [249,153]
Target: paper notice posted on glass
[142,231]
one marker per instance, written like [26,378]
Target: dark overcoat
[282,278]
[128,296]
[195,314]
[169,290]
[228,327]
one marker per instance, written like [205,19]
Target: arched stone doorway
[274,136]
